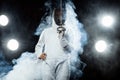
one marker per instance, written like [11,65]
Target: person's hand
[43,56]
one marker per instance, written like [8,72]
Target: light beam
[107,20]
[13,44]
[101,46]
[4,20]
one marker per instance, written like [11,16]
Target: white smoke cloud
[27,67]
[77,37]
[4,66]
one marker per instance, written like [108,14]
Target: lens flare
[13,44]
[101,46]
[4,20]
[107,21]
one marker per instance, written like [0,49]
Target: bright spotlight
[101,46]
[13,44]
[3,20]
[107,21]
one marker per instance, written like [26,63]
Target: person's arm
[64,42]
[40,45]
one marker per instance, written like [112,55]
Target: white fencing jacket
[54,45]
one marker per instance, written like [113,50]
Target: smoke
[4,66]
[27,67]
[78,38]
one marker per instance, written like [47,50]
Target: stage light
[101,46]
[4,20]
[107,20]
[13,44]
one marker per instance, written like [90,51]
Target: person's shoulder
[46,30]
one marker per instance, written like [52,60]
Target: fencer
[53,49]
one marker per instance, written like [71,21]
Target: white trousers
[55,69]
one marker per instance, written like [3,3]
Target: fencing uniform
[56,64]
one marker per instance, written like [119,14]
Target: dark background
[25,16]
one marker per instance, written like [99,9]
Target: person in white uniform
[53,49]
